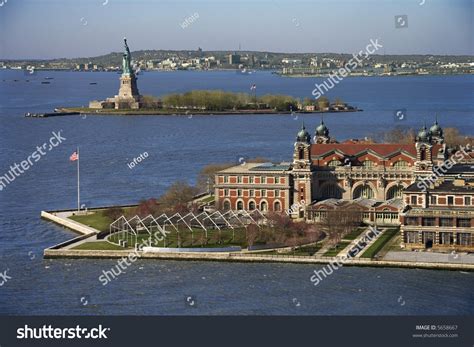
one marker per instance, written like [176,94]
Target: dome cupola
[436,131]
[423,135]
[322,130]
[303,135]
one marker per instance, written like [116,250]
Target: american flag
[253,87]
[74,157]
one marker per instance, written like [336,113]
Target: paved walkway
[430,257]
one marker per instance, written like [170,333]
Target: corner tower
[423,144]
[301,172]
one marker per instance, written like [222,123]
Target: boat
[45,82]
[93,83]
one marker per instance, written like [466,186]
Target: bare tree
[146,207]
[178,197]
[251,234]
[113,213]
[398,135]
[340,221]
[206,177]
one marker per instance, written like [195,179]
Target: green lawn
[335,251]
[380,243]
[189,239]
[306,250]
[354,234]
[96,220]
[99,245]
[206,200]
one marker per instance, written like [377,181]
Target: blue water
[178,148]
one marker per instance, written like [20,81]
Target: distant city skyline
[69,29]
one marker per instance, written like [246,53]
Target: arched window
[363,191]
[423,153]
[395,192]
[252,205]
[226,205]
[277,206]
[401,164]
[331,190]
[263,206]
[301,153]
[334,163]
[240,205]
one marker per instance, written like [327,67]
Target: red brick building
[322,168]
[440,215]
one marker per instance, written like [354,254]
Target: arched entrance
[363,191]
[395,191]
[331,190]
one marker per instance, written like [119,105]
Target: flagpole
[78,186]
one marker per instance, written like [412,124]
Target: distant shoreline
[188,113]
[374,75]
[237,71]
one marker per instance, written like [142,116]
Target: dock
[50,114]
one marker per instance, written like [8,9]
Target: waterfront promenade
[88,234]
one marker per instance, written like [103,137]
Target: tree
[339,102]
[206,177]
[339,221]
[323,103]
[398,135]
[178,196]
[147,207]
[312,233]
[150,102]
[251,234]
[453,138]
[114,213]
[308,102]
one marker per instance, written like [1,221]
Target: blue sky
[73,28]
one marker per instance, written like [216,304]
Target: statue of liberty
[128,95]
[126,60]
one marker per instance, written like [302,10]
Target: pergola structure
[124,231]
[128,230]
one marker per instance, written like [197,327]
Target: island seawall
[62,250]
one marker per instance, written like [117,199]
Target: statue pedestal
[128,86]
[128,96]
